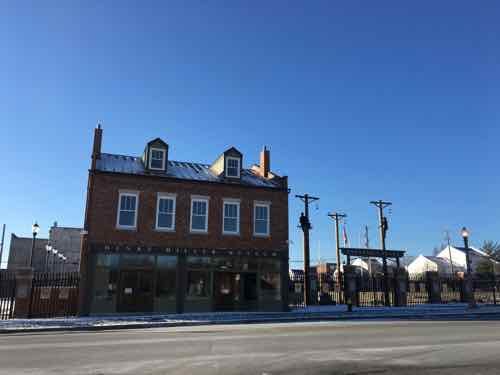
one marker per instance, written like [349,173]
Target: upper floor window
[157,158]
[231,217]
[127,210]
[165,212]
[261,219]
[232,166]
[199,214]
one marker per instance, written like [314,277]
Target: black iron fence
[7,294]
[54,294]
[420,289]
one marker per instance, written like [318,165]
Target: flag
[344,234]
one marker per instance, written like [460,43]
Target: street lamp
[472,300]
[61,257]
[54,253]
[48,248]
[34,229]
[465,235]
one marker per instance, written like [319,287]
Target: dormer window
[233,166]
[157,159]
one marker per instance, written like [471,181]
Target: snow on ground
[298,314]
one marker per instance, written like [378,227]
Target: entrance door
[136,291]
[226,291]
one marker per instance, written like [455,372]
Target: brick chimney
[265,162]
[96,148]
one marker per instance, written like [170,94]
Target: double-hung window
[165,212]
[232,166]
[127,210]
[157,158]
[231,216]
[199,214]
[261,225]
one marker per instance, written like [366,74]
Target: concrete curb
[468,315]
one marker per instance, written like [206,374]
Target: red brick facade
[103,213]
[103,237]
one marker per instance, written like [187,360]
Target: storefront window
[166,276]
[198,284]
[270,285]
[105,282]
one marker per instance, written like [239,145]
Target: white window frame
[130,194]
[197,198]
[164,153]
[233,202]
[165,196]
[268,206]
[239,166]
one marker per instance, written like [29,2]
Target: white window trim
[237,203]
[130,194]
[163,151]
[198,198]
[239,165]
[168,196]
[262,204]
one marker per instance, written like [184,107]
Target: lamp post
[54,253]
[48,248]
[465,236]
[35,228]
[62,258]
[472,300]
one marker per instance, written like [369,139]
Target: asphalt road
[387,347]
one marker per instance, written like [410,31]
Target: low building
[170,236]
[458,256]
[368,266]
[424,263]
[66,240]
[20,253]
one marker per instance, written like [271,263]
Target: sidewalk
[313,313]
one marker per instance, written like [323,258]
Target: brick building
[169,236]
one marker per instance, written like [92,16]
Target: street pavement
[360,347]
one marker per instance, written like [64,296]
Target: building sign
[45,292]
[64,293]
[115,248]
[371,253]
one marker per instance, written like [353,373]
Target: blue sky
[356,100]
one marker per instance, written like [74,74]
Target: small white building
[423,263]
[367,266]
[457,255]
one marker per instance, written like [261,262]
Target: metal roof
[178,169]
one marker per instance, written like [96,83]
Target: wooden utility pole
[383,225]
[338,217]
[305,225]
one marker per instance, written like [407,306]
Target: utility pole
[449,251]
[383,225]
[338,217]
[305,225]
[1,244]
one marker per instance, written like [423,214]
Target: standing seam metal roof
[178,169]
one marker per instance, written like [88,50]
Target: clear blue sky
[357,101]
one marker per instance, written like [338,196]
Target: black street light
[465,235]
[35,229]
[48,248]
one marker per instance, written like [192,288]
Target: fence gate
[371,290]
[54,294]
[7,294]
